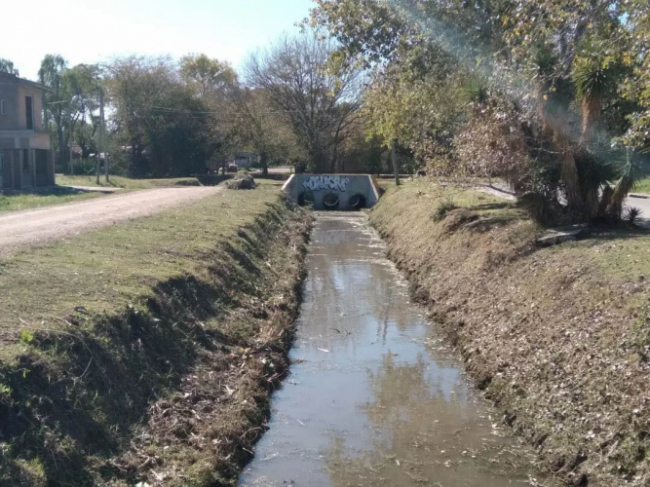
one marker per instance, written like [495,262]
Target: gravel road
[23,229]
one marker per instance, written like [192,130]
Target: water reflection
[426,433]
[368,403]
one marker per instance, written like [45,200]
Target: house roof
[7,78]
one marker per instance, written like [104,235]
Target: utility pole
[71,161]
[100,145]
[393,154]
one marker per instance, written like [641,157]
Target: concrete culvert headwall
[345,192]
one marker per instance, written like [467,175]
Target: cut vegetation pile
[241,181]
[156,359]
[559,337]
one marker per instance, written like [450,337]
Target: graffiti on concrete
[319,183]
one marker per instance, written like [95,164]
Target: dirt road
[23,229]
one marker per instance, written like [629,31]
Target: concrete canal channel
[374,397]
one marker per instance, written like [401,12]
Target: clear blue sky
[84,31]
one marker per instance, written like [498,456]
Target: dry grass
[164,370]
[558,337]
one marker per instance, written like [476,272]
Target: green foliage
[502,86]
[6,66]
[26,336]
[442,209]
[206,74]
[592,78]
[167,130]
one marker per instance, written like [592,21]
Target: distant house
[26,158]
[244,160]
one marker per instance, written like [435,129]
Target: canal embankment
[558,338]
[152,350]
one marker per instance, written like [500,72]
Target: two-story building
[26,159]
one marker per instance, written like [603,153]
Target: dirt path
[27,228]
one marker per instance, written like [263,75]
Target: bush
[633,216]
[443,208]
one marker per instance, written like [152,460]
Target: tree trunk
[592,109]
[542,111]
[592,203]
[615,208]
[569,175]
[264,162]
[393,156]
[62,144]
[100,146]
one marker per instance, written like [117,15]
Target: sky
[85,31]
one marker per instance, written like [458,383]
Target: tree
[207,76]
[167,128]
[317,96]
[71,100]
[50,74]
[538,60]
[261,129]
[7,66]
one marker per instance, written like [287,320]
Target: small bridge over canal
[343,192]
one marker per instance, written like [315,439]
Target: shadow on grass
[486,224]
[493,206]
[44,191]
[600,233]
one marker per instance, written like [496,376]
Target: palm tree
[595,79]
[594,76]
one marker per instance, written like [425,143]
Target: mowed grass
[107,269]
[30,201]
[642,186]
[123,182]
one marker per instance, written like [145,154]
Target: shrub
[443,208]
[633,216]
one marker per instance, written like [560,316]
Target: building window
[2,108]
[29,113]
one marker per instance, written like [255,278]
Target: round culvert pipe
[357,202]
[306,198]
[331,201]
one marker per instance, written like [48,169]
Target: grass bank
[37,199]
[124,182]
[146,352]
[559,337]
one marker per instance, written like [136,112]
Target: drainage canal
[375,398]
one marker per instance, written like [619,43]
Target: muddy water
[374,398]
